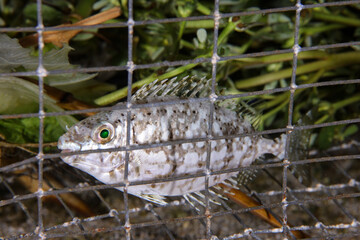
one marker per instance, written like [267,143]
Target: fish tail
[299,148]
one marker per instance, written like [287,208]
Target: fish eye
[103,133]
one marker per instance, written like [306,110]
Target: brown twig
[28,178]
[31,183]
[59,37]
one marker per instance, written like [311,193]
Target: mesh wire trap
[42,197]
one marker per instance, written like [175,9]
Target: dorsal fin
[186,87]
[193,87]
[244,110]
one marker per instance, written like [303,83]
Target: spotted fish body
[166,123]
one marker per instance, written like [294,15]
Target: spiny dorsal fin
[194,87]
[244,109]
[247,111]
[186,87]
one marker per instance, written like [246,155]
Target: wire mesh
[328,209]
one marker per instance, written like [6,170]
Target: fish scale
[166,123]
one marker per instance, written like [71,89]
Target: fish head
[98,132]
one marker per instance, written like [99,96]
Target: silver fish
[165,123]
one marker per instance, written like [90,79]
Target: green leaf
[84,36]
[326,136]
[84,8]
[14,56]
[277,18]
[251,18]
[50,15]
[100,4]
[201,35]
[26,130]
[350,130]
[17,96]
[20,96]
[58,60]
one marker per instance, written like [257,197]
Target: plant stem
[319,29]
[333,61]
[230,27]
[187,44]
[277,100]
[201,8]
[277,109]
[336,19]
[207,24]
[336,106]
[181,32]
[247,62]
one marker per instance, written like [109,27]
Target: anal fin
[158,199]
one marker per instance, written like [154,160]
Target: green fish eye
[104,133]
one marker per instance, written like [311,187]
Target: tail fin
[299,148]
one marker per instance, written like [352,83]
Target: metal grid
[340,197]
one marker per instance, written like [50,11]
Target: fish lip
[66,151]
[68,146]
[86,165]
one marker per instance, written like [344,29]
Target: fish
[164,123]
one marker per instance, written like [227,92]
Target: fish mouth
[68,146]
[88,166]
[66,150]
